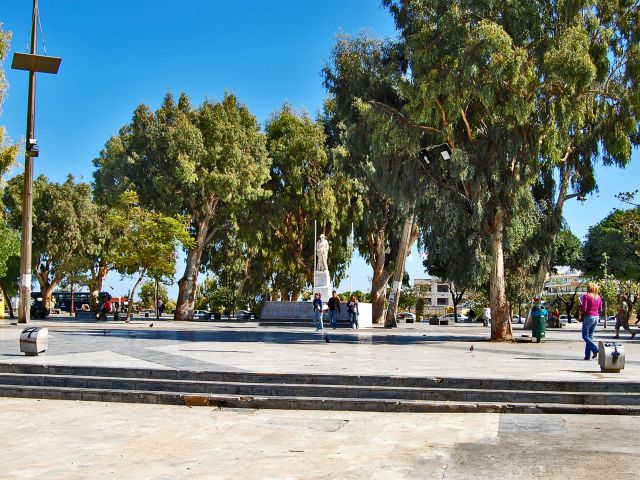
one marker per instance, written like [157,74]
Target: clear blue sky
[118,54]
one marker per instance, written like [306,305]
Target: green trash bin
[539,317]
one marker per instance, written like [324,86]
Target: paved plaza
[410,350]
[58,439]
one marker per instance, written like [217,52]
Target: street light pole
[32,63]
[27,203]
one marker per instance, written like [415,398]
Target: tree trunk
[500,323]
[187,285]
[95,285]
[378,296]
[132,293]
[46,287]
[7,300]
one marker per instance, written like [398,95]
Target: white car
[517,319]
[201,315]
[452,318]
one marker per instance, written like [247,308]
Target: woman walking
[352,310]
[590,307]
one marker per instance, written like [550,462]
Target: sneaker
[587,358]
[616,336]
[633,335]
[595,354]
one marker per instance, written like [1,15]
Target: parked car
[243,315]
[452,318]
[406,316]
[564,318]
[201,315]
[518,319]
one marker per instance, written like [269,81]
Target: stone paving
[66,440]
[411,350]
[69,440]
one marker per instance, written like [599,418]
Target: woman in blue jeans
[590,307]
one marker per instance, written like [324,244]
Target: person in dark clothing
[334,309]
[317,312]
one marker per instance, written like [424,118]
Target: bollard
[34,340]
[611,357]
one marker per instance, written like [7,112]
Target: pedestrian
[352,310]
[590,307]
[556,318]
[486,316]
[622,317]
[160,307]
[334,309]
[317,312]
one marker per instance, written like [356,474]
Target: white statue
[322,251]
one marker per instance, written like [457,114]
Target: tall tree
[360,70]
[63,218]
[305,187]
[205,163]
[512,86]
[148,241]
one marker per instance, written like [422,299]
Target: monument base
[322,284]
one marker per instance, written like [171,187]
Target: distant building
[434,291]
[565,282]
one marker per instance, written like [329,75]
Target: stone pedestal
[322,282]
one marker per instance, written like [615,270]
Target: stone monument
[321,277]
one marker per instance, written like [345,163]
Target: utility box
[610,357]
[34,340]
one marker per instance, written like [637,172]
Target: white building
[565,282]
[434,291]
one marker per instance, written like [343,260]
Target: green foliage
[516,89]
[568,249]
[147,294]
[8,152]
[608,237]
[64,217]
[146,241]
[217,298]
[208,164]
[304,186]
[9,247]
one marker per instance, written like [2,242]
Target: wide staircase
[318,392]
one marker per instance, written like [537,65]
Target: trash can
[539,319]
[34,340]
[610,357]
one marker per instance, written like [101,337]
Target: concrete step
[324,390]
[306,403]
[603,386]
[306,391]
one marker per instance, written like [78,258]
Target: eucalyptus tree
[205,163]
[362,68]
[63,216]
[305,187]
[513,87]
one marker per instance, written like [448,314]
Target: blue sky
[118,54]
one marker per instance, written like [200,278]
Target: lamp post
[32,63]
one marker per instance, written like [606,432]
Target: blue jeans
[333,316]
[588,327]
[353,317]
[317,319]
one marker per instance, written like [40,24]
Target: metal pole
[351,264]
[27,205]
[315,254]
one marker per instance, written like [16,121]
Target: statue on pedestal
[322,251]
[321,277]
